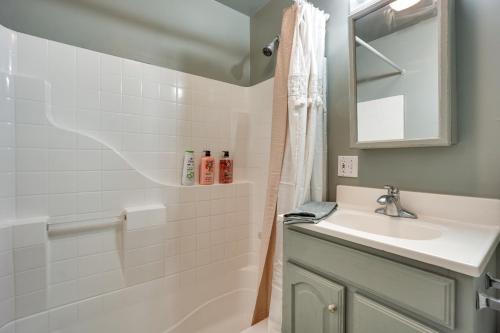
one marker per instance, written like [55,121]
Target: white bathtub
[228,313]
[164,307]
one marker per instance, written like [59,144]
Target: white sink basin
[384,225]
[452,232]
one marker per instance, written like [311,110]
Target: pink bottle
[207,169]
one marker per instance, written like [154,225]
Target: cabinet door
[370,316]
[312,304]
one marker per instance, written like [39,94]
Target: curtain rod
[327,16]
[269,48]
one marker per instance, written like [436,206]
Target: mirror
[400,73]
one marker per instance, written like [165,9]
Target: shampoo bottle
[188,168]
[207,169]
[225,169]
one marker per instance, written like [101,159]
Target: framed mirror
[401,74]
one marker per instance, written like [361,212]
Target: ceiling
[247,7]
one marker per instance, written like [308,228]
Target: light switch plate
[348,166]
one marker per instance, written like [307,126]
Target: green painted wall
[472,167]
[201,37]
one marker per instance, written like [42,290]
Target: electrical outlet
[348,166]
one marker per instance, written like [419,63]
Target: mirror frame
[447,105]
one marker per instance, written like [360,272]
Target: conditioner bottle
[207,169]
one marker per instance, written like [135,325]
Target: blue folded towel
[310,212]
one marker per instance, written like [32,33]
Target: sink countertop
[452,232]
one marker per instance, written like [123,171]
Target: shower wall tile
[29,206]
[96,134]
[8,56]
[62,293]
[29,234]
[30,281]
[62,182]
[31,159]
[64,270]
[7,312]
[30,112]
[38,323]
[7,110]
[110,64]
[30,257]
[6,264]
[29,304]
[7,135]
[30,89]
[87,67]
[62,317]
[7,282]
[7,155]
[98,263]
[32,57]
[62,204]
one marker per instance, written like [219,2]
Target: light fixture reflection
[400,5]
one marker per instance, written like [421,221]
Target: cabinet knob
[332,308]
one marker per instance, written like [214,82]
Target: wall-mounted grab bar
[379,55]
[84,225]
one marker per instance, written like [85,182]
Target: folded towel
[310,212]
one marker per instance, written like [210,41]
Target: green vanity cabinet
[331,285]
[317,304]
[370,316]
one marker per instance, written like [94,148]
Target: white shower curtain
[303,175]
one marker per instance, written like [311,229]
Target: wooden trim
[263,301]
[278,140]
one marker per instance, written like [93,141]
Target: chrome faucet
[393,204]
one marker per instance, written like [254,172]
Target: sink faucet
[393,204]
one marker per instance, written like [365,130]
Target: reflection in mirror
[397,72]
[355,5]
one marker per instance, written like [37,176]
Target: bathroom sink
[383,225]
[444,243]
[452,232]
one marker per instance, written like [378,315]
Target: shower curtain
[302,175]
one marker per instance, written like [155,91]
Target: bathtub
[228,313]
[155,307]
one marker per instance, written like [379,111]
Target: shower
[268,50]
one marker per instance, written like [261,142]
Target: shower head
[268,50]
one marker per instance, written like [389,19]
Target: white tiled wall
[84,135]
[147,113]
[204,248]
[259,139]
[8,58]
[7,289]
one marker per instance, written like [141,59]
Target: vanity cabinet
[371,316]
[331,285]
[318,303]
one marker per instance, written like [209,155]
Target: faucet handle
[383,200]
[392,190]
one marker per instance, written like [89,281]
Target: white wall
[92,135]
